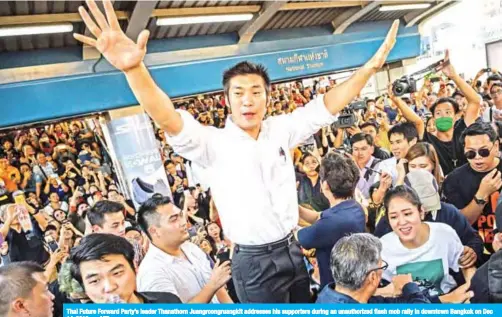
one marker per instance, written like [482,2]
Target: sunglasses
[470,155]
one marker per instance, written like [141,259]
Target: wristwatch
[480,201]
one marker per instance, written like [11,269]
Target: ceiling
[137,15]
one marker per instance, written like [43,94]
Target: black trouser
[271,273]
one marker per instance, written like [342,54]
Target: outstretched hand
[377,61]
[110,40]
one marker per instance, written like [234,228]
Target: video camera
[408,83]
[347,116]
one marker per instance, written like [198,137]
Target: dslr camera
[404,85]
[347,117]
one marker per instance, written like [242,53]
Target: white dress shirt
[161,272]
[252,181]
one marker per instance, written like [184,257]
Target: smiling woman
[411,247]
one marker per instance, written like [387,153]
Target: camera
[404,85]
[347,117]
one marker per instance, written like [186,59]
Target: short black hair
[407,129]
[17,281]
[95,247]
[362,137]
[246,68]
[96,213]
[370,123]
[167,162]
[402,191]
[497,84]
[494,77]
[51,227]
[479,128]
[132,228]
[147,213]
[449,100]
[341,174]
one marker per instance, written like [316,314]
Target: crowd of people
[400,205]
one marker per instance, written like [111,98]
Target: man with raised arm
[247,161]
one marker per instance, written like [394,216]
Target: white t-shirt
[429,263]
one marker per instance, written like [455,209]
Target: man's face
[110,276]
[221,113]
[247,98]
[51,234]
[450,90]
[75,129]
[399,145]
[41,158]
[277,106]
[172,228]
[7,145]
[462,102]
[4,163]
[135,236]
[371,131]
[481,143]
[114,196]
[496,94]
[54,198]
[444,109]
[114,223]
[40,301]
[362,152]
[171,169]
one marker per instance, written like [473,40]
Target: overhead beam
[342,17]
[140,17]
[248,30]
[434,9]
[321,5]
[176,12]
[49,18]
[356,16]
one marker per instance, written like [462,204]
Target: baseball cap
[426,187]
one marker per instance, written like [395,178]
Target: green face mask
[444,124]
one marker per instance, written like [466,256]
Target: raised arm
[341,95]
[127,56]
[473,98]
[407,112]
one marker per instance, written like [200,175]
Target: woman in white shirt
[423,249]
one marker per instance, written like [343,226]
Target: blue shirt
[341,220]
[411,294]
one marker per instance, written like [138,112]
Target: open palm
[110,40]
[377,61]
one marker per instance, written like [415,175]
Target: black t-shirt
[479,285]
[27,247]
[312,195]
[381,154]
[459,189]
[451,154]
[159,297]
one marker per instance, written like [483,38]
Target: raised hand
[110,40]
[377,61]
[446,67]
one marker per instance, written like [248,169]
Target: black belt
[287,241]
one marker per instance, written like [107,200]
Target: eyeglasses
[383,267]
[470,155]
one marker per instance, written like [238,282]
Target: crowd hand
[458,296]
[377,61]
[110,40]
[58,256]
[490,184]
[446,67]
[11,214]
[497,242]
[221,274]
[385,181]
[401,170]
[399,281]
[468,257]
[353,130]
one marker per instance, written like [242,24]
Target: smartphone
[53,245]
[223,256]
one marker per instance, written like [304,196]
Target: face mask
[444,124]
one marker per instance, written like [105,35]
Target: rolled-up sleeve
[304,122]
[193,142]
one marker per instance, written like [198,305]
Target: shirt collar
[167,258]
[233,128]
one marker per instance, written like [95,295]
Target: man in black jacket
[104,265]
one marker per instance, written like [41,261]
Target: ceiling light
[35,29]
[205,19]
[411,6]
